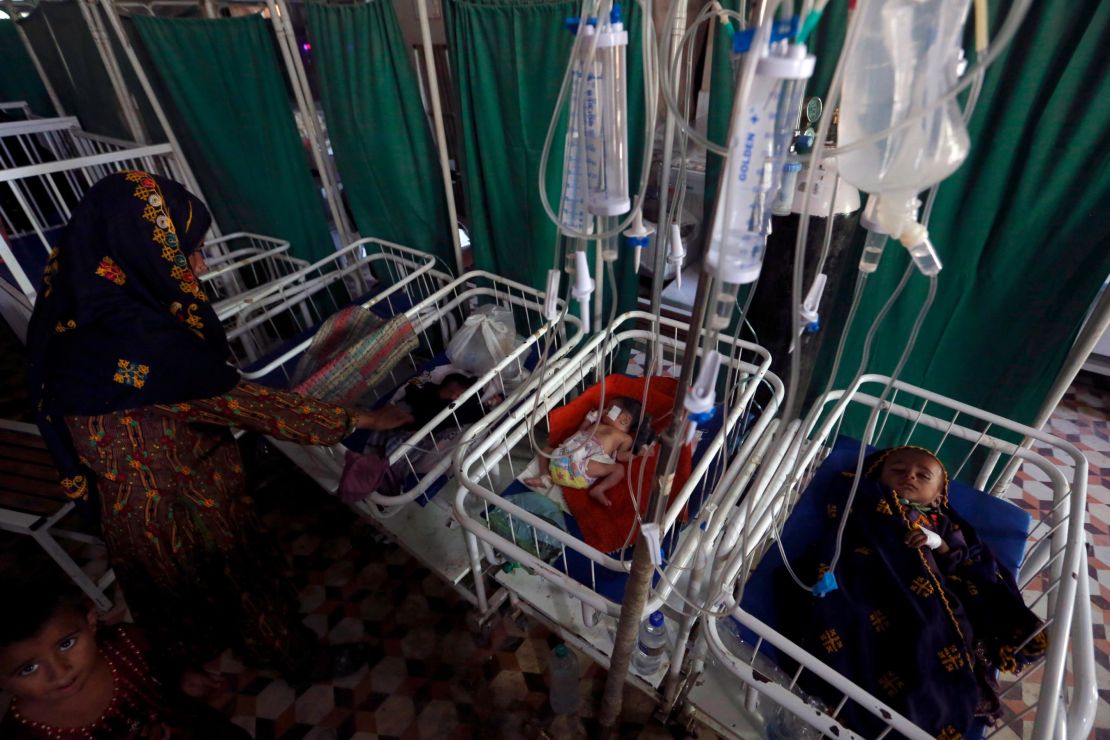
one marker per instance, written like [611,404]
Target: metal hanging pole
[639,576]
[126,103]
[55,101]
[190,180]
[432,75]
[287,43]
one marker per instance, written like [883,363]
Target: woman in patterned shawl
[136,401]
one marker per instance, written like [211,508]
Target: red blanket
[607,528]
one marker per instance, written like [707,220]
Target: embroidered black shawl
[923,632]
[121,320]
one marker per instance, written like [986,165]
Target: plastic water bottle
[564,681]
[651,645]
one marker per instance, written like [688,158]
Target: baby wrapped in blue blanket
[923,615]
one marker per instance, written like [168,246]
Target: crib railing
[547,342]
[489,456]
[434,321]
[243,262]
[44,193]
[259,322]
[980,447]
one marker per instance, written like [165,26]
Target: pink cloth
[364,474]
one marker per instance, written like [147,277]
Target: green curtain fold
[227,90]
[509,58]
[383,146]
[20,80]
[69,57]
[1020,227]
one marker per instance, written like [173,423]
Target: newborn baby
[591,457]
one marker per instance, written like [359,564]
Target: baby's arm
[624,449]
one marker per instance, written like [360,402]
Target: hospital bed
[416,517]
[567,583]
[740,688]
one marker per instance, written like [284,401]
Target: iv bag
[904,59]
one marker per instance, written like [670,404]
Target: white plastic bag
[486,338]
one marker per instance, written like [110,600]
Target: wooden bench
[32,503]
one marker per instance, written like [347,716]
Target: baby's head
[915,474]
[47,635]
[454,385]
[623,413]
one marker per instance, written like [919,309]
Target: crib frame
[306,297]
[428,532]
[1055,559]
[47,191]
[241,262]
[576,610]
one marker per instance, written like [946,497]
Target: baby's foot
[600,497]
[541,482]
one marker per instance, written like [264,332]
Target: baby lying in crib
[591,458]
[428,400]
[923,615]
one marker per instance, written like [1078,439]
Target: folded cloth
[608,528]
[364,474]
[352,352]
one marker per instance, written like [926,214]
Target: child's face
[617,417]
[55,664]
[451,390]
[916,476]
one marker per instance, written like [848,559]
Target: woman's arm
[283,415]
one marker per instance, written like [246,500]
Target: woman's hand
[385,418]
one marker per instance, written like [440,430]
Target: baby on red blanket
[591,459]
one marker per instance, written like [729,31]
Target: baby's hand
[920,538]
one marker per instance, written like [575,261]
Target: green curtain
[227,90]
[20,80]
[383,145]
[64,46]
[509,58]
[1019,227]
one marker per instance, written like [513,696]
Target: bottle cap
[560,650]
[656,619]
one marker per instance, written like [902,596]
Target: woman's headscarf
[121,320]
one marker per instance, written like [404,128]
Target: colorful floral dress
[140,707]
[196,569]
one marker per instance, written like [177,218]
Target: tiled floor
[431,676]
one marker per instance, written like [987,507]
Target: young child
[920,482]
[591,457]
[427,400]
[71,679]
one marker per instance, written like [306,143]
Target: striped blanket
[351,353]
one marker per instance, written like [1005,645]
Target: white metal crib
[492,456]
[242,262]
[270,324]
[418,521]
[1053,574]
[49,165]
